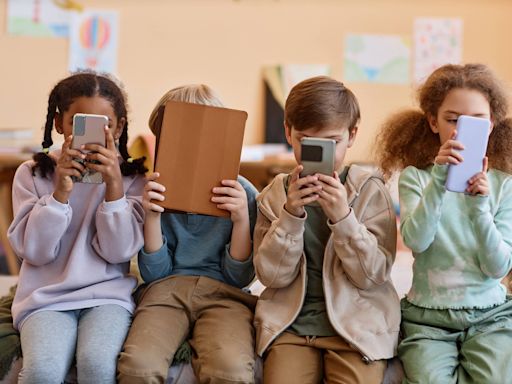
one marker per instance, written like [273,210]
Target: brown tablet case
[198,147]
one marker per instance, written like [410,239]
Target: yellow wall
[225,43]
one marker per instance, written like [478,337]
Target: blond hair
[192,93]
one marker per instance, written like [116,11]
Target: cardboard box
[198,147]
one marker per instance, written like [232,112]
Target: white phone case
[473,133]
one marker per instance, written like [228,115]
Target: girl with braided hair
[73,301]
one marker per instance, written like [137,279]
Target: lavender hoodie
[74,255]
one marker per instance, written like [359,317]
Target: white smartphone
[317,156]
[473,133]
[88,129]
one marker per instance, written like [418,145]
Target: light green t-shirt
[462,244]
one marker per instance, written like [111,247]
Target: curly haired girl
[457,318]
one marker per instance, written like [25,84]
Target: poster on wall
[437,42]
[377,59]
[292,74]
[93,41]
[40,18]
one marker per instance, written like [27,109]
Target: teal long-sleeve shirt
[198,245]
[462,244]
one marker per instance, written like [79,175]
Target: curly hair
[406,138]
[86,84]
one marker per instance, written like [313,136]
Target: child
[457,320]
[75,240]
[329,311]
[196,266]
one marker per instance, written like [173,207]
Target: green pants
[445,346]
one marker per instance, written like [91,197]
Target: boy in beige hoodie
[324,247]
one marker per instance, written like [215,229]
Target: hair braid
[45,164]
[129,166]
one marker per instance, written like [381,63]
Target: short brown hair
[319,102]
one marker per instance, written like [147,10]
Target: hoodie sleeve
[278,241]
[156,265]
[494,233]
[39,221]
[420,206]
[119,225]
[365,240]
[241,273]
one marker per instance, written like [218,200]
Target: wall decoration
[437,42]
[376,59]
[93,41]
[41,18]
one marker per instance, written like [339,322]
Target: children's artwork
[40,17]
[437,42]
[292,74]
[377,59]
[93,41]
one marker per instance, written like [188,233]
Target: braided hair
[85,84]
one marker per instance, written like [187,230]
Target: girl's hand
[67,166]
[333,197]
[104,160]
[478,184]
[449,151]
[153,191]
[232,198]
[301,191]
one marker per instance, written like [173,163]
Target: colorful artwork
[376,59]
[436,42]
[41,18]
[93,41]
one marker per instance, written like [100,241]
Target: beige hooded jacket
[361,302]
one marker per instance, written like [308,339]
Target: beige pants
[305,360]
[218,317]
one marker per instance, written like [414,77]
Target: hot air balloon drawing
[93,41]
[94,35]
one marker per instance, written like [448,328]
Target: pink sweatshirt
[74,255]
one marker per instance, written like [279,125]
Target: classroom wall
[225,43]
